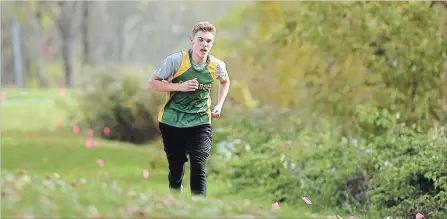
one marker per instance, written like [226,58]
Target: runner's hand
[216,111]
[190,85]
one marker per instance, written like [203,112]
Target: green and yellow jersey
[189,109]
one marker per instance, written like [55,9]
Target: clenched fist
[190,85]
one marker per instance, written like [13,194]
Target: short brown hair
[204,26]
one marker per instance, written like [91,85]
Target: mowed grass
[48,172]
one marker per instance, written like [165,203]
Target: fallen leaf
[58,123]
[20,172]
[56,175]
[62,92]
[73,185]
[275,206]
[138,214]
[419,216]
[307,200]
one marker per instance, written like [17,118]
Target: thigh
[173,140]
[198,142]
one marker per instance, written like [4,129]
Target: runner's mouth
[204,50]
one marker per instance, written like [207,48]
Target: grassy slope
[47,171]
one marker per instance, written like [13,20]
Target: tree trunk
[17,52]
[39,54]
[65,22]
[85,33]
[67,56]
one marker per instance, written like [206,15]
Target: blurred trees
[326,58]
[106,51]
[320,58]
[98,33]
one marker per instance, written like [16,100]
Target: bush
[411,173]
[118,99]
[406,165]
[396,171]
[262,154]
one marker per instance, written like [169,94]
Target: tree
[327,58]
[66,27]
[85,32]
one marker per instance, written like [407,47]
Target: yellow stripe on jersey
[186,64]
[160,114]
[212,67]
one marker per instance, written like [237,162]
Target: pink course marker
[88,143]
[107,131]
[145,174]
[91,132]
[100,162]
[76,129]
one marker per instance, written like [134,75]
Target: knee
[198,167]
[176,158]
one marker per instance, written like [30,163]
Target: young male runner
[185,119]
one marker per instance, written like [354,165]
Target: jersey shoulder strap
[212,66]
[184,66]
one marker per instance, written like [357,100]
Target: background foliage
[369,77]
[344,103]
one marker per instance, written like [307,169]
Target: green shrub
[117,98]
[406,165]
[262,154]
[411,173]
[390,170]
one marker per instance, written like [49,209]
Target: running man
[185,119]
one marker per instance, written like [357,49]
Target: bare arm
[157,84]
[224,86]
[161,79]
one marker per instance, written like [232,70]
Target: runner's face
[202,43]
